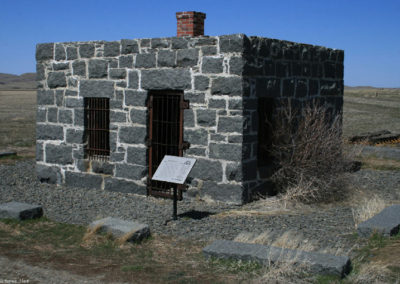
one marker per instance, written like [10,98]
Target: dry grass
[374,273]
[91,237]
[367,208]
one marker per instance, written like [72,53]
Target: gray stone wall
[222,77]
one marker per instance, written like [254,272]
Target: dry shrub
[367,208]
[307,150]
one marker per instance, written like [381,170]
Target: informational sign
[174,169]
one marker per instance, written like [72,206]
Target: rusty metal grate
[97,132]
[165,137]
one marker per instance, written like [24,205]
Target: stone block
[317,263]
[118,116]
[201,83]
[72,53]
[188,118]
[56,80]
[137,156]
[40,72]
[132,134]
[79,68]
[104,168]
[196,151]
[178,79]
[206,117]
[124,186]
[45,97]
[133,172]
[212,65]
[98,68]
[39,151]
[160,43]
[20,211]
[236,65]
[209,50]
[119,228]
[227,193]
[129,46]
[229,152]
[387,223]
[135,98]
[60,66]
[301,88]
[125,61]
[207,170]
[235,104]
[74,136]
[138,116]
[79,119]
[231,86]
[231,43]
[83,180]
[52,114]
[86,50]
[44,51]
[195,98]
[49,132]
[187,57]
[179,43]
[133,80]
[59,53]
[217,103]
[215,137]
[144,42]
[166,58]
[59,154]
[96,89]
[117,73]
[233,172]
[74,102]
[196,136]
[111,48]
[230,124]
[41,115]
[117,157]
[145,60]
[48,174]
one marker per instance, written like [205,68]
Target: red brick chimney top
[190,23]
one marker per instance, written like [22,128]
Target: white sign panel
[174,169]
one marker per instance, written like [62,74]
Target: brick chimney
[190,23]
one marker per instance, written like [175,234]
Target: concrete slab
[387,223]
[20,211]
[318,263]
[119,228]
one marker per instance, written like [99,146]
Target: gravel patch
[327,227]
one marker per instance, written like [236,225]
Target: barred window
[97,130]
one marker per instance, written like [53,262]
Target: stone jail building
[109,111]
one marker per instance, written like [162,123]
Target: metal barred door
[165,137]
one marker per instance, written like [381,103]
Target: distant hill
[26,81]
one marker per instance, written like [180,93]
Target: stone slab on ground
[7,154]
[20,211]
[121,228]
[314,262]
[387,223]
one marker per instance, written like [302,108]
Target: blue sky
[367,30]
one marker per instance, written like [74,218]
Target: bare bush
[306,147]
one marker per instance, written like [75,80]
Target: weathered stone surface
[129,46]
[45,97]
[79,68]
[138,116]
[83,180]
[124,186]
[137,156]
[86,50]
[229,193]
[74,136]
[48,174]
[118,116]
[44,51]
[135,98]
[233,172]
[117,157]
[20,211]
[121,228]
[49,132]
[133,80]
[160,43]
[72,53]
[111,48]
[212,65]
[187,57]
[96,88]
[317,263]
[196,136]
[231,86]
[201,83]
[217,103]
[188,118]
[40,71]
[116,73]
[102,168]
[230,152]
[134,172]
[74,102]
[145,60]
[79,114]
[206,117]
[207,170]
[166,58]
[179,43]
[231,43]
[98,68]
[125,61]
[56,80]
[52,114]
[195,98]
[60,66]
[132,134]
[236,65]
[59,154]
[387,223]
[209,50]
[230,124]
[166,79]
[59,53]
[301,88]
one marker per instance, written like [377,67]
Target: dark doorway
[165,136]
